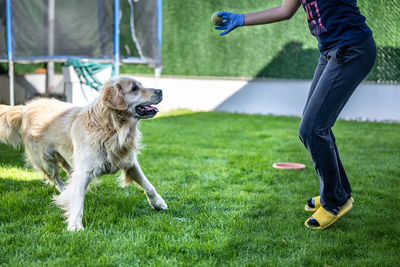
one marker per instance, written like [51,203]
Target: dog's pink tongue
[150,108]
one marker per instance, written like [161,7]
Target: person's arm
[275,14]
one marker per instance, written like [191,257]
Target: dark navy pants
[338,74]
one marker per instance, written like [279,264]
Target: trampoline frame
[116,59]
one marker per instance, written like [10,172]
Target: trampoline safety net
[81,29]
[3,40]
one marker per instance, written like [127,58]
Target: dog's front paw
[158,203]
[75,227]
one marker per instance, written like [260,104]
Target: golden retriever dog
[101,138]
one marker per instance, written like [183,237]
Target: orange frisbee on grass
[288,166]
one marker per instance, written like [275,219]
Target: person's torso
[335,23]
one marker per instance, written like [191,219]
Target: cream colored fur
[101,138]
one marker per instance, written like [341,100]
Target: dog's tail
[10,123]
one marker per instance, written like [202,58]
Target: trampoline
[34,31]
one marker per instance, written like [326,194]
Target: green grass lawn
[227,205]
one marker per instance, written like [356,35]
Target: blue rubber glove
[231,22]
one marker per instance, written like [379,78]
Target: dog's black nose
[158,92]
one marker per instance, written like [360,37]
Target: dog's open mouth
[146,111]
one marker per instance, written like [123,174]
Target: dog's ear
[113,98]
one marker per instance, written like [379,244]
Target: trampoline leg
[11,81]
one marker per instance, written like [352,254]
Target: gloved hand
[231,22]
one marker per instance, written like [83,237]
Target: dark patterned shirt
[335,23]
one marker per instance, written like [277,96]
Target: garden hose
[86,71]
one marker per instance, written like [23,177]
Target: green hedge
[191,47]
[282,50]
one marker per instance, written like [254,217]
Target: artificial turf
[227,205]
[191,46]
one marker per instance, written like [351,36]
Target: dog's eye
[134,88]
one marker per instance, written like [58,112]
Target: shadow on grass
[27,196]
[104,203]
[12,157]
[8,185]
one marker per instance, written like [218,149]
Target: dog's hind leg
[135,174]
[53,177]
[50,168]
[45,163]
[64,164]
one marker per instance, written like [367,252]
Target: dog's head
[125,93]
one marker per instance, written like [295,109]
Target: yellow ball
[216,20]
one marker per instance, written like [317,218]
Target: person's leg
[343,176]
[312,202]
[343,73]
[317,75]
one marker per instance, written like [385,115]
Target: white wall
[371,101]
